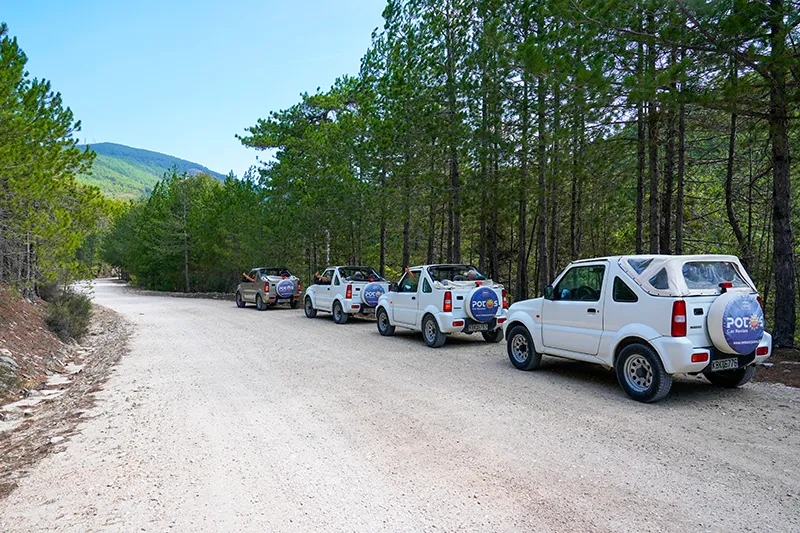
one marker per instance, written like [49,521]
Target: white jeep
[443,299]
[648,317]
[344,291]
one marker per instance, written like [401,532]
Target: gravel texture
[226,419]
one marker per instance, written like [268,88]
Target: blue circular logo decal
[743,323]
[483,305]
[285,288]
[372,292]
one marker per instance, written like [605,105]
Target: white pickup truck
[442,299]
[648,317]
[344,291]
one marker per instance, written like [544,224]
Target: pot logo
[372,292]
[285,288]
[483,305]
[743,323]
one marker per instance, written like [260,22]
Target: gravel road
[226,419]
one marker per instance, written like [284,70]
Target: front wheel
[239,300]
[641,374]
[260,305]
[431,332]
[521,351]
[493,336]
[339,316]
[309,309]
[730,379]
[385,328]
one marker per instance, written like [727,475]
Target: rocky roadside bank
[48,409]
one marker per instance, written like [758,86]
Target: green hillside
[123,172]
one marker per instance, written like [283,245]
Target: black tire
[493,336]
[730,379]
[641,374]
[295,303]
[431,334]
[521,351]
[260,305]
[339,316]
[239,300]
[309,309]
[384,327]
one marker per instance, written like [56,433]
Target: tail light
[447,306]
[505,300]
[349,293]
[760,303]
[762,350]
[679,319]
[266,287]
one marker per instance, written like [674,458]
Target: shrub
[48,291]
[68,316]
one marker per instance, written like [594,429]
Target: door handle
[591,311]
[413,297]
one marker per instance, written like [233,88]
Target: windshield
[709,274]
[280,272]
[359,274]
[455,273]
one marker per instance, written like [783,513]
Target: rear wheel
[431,333]
[339,316]
[730,379]
[641,374]
[384,327]
[493,336]
[295,303]
[260,305]
[521,352]
[239,300]
[309,309]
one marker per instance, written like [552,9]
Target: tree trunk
[785,294]
[521,285]
[669,183]
[640,156]
[734,222]
[541,265]
[652,134]
[681,174]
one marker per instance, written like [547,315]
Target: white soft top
[458,285]
[670,275]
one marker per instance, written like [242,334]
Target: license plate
[724,364]
[478,327]
[283,300]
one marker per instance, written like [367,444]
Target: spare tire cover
[482,304]
[371,293]
[736,322]
[285,288]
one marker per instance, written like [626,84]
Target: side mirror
[548,292]
[393,287]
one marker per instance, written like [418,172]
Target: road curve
[226,419]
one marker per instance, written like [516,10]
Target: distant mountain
[120,171]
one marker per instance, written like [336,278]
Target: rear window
[709,274]
[639,265]
[661,280]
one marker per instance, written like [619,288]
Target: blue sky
[182,77]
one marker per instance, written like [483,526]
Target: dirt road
[226,419]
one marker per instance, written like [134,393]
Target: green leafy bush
[68,316]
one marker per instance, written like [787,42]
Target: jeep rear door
[573,319]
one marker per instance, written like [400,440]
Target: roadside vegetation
[516,136]
[46,216]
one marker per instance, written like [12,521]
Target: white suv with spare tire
[648,317]
[344,291]
[442,299]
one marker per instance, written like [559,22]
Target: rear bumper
[451,324]
[676,354]
[354,307]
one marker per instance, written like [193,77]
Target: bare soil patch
[60,381]
[785,368]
